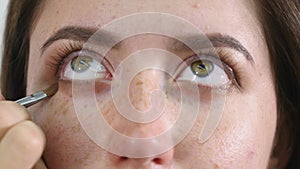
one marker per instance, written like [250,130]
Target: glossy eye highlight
[80,66]
[205,72]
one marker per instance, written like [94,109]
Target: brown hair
[16,47]
[281,24]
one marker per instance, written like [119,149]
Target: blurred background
[3,11]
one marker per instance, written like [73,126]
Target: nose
[143,85]
[161,161]
[141,88]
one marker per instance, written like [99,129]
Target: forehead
[213,15]
[237,18]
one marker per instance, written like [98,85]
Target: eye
[81,66]
[204,71]
[202,68]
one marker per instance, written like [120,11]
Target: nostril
[158,161]
[123,158]
[163,160]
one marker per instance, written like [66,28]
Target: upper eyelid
[203,56]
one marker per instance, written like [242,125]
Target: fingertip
[1,95]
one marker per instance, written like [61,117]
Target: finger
[11,114]
[22,146]
[1,96]
[40,165]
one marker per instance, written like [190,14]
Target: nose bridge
[142,87]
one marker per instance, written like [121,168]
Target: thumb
[40,165]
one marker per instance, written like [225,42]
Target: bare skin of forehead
[96,13]
[146,6]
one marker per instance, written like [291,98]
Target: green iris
[81,63]
[202,68]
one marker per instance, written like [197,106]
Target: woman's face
[244,135]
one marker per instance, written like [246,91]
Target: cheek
[243,138]
[245,134]
[67,143]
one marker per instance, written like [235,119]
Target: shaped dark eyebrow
[82,34]
[72,33]
[219,40]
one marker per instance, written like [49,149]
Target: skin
[244,136]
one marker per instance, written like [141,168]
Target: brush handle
[32,99]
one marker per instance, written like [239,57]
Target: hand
[21,141]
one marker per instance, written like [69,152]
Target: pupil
[80,64]
[201,66]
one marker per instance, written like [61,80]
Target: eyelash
[230,65]
[63,54]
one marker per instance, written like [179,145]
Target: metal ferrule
[32,99]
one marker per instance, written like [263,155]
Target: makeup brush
[38,96]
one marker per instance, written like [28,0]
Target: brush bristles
[50,91]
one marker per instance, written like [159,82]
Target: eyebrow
[104,38]
[81,34]
[219,40]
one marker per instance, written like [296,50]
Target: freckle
[216,166]
[97,90]
[57,12]
[197,5]
[64,112]
[75,128]
[49,119]
[139,83]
